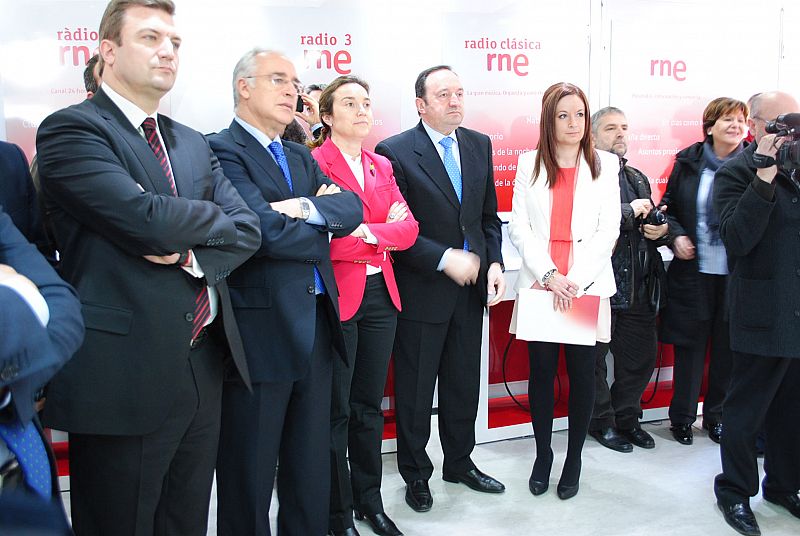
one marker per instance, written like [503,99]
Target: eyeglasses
[279,82]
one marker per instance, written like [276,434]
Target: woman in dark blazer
[369,303]
[564,223]
[697,276]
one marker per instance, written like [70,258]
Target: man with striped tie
[287,306]
[149,229]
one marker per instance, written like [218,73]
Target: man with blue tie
[445,279]
[40,328]
[286,304]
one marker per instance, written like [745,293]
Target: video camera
[786,126]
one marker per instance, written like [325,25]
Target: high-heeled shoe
[569,482]
[567,492]
[539,481]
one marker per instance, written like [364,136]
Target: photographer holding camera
[696,309]
[759,208]
[638,272]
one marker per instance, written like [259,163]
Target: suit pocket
[756,303]
[107,318]
[250,297]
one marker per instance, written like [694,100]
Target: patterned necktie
[276,148]
[451,166]
[150,133]
[202,307]
[28,446]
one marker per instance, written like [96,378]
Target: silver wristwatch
[547,276]
[305,208]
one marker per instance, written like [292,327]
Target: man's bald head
[766,107]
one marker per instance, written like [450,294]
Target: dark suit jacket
[18,195]
[31,353]
[273,292]
[760,225]
[110,205]
[428,295]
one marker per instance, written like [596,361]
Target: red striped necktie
[202,307]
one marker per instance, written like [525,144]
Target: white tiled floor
[664,491]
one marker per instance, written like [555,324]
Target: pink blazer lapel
[338,169]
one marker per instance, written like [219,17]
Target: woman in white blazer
[564,223]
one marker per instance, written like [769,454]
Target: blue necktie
[27,445]
[280,157]
[451,166]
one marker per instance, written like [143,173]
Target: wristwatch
[305,208]
[547,276]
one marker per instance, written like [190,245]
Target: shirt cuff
[443,260]
[314,216]
[194,269]
[32,297]
[370,238]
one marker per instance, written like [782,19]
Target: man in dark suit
[148,228]
[285,301]
[759,224]
[18,196]
[40,328]
[445,174]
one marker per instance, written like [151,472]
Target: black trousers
[279,423]
[687,372]
[450,351]
[158,483]
[634,343]
[763,391]
[543,357]
[356,415]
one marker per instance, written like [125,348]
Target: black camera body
[786,126]
[654,217]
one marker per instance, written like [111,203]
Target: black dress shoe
[380,523]
[349,531]
[740,517]
[790,501]
[609,438]
[567,492]
[682,433]
[714,430]
[639,437]
[476,480]
[418,495]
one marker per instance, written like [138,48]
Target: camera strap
[762,161]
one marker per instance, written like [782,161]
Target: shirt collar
[262,138]
[437,136]
[131,111]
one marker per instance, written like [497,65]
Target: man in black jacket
[637,270]
[757,202]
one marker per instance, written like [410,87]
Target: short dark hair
[88,74]
[422,79]
[111,23]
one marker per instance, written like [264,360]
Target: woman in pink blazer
[368,302]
